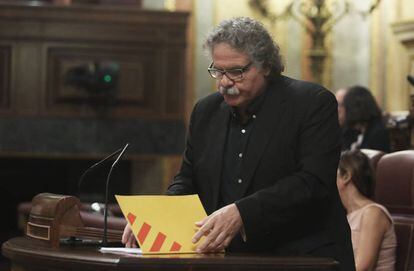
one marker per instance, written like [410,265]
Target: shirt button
[239,181]
[254,116]
[243,131]
[240,155]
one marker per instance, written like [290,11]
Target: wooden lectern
[55,217]
[26,256]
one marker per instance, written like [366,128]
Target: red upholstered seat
[395,182]
[404,229]
[96,220]
[395,190]
[374,156]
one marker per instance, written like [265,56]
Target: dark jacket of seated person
[376,137]
[363,126]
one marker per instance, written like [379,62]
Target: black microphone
[82,177]
[105,229]
[410,79]
[97,164]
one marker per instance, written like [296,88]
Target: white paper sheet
[121,250]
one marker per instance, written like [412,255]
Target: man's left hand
[219,228]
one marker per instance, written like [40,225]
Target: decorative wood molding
[404,31]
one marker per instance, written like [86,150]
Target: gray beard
[233,91]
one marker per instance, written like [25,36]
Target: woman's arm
[374,225]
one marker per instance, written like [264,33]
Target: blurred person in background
[361,120]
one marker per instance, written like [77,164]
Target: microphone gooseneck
[82,177]
[105,227]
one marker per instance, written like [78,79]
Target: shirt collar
[254,106]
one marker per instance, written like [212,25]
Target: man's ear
[266,72]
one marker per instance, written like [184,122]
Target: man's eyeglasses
[232,74]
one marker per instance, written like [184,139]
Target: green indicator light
[107,78]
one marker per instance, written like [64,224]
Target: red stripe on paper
[156,246]
[143,232]
[175,247]
[131,218]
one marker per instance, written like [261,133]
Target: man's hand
[128,237]
[219,228]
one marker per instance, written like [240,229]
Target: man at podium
[262,154]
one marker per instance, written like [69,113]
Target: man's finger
[214,240]
[221,237]
[202,222]
[201,232]
[132,241]
[126,234]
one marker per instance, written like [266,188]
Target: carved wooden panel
[146,47]
[137,90]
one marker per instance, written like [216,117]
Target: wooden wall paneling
[176,81]
[5,68]
[138,88]
[53,39]
[27,73]
[41,43]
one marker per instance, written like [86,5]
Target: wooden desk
[25,255]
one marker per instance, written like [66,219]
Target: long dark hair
[357,165]
[360,107]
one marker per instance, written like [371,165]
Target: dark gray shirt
[238,134]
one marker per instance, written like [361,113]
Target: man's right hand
[128,238]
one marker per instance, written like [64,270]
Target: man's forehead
[228,66]
[230,62]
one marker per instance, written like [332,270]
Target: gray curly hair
[250,37]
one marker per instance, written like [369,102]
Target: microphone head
[410,79]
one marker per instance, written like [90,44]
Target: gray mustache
[229,91]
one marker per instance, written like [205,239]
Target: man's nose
[226,82]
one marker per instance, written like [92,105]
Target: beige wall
[389,65]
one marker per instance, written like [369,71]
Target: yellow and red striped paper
[163,224]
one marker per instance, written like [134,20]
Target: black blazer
[288,199]
[376,137]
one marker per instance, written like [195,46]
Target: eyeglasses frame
[223,72]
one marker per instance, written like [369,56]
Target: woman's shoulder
[374,213]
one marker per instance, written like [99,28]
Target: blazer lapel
[219,129]
[264,130]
